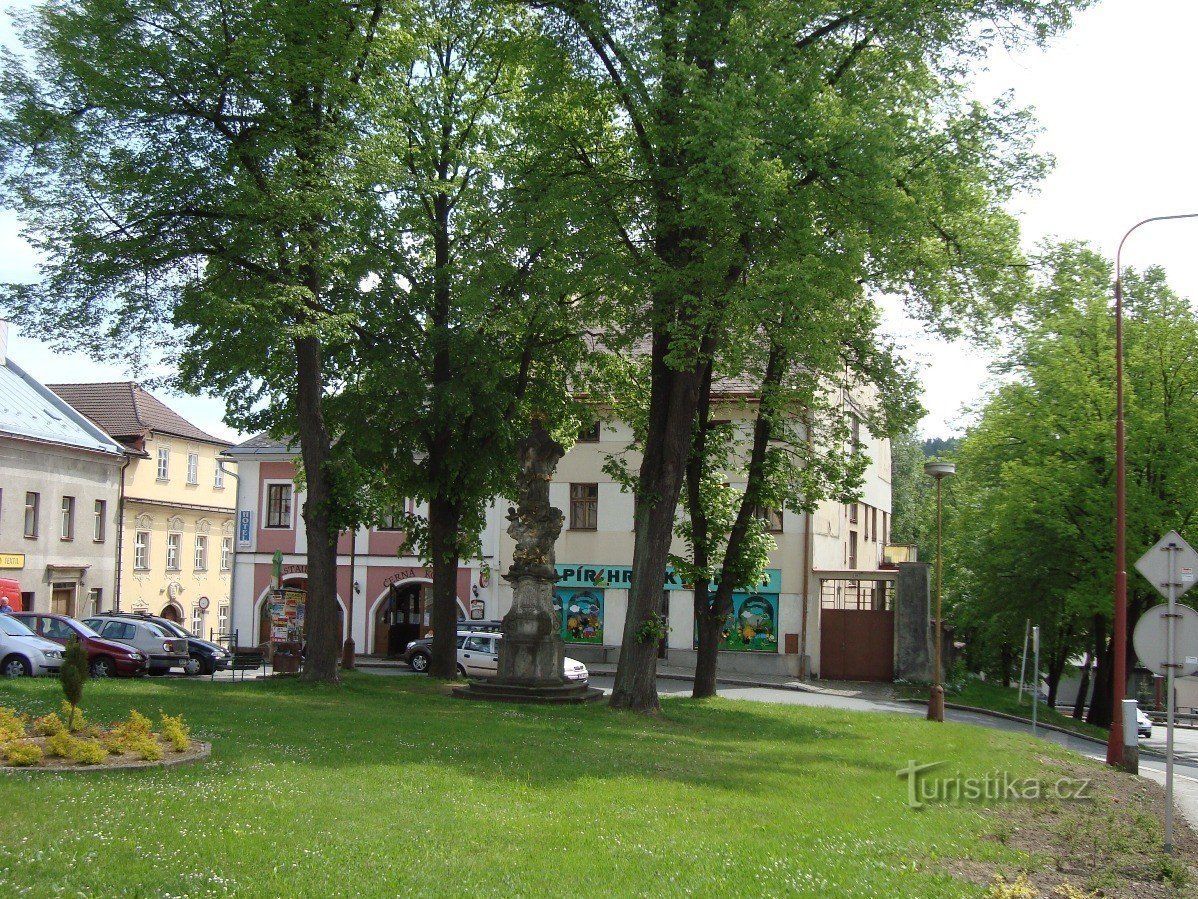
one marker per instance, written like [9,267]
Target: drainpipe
[120,537]
[220,463]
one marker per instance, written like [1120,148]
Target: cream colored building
[176,509]
[829,560]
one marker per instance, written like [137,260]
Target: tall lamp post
[939,471]
[1114,746]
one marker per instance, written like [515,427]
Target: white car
[23,653]
[1143,724]
[478,656]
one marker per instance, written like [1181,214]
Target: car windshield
[84,629]
[14,628]
[173,629]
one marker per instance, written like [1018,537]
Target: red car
[105,658]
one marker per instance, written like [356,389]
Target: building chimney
[3,342]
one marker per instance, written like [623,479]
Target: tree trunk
[443,520]
[1079,704]
[673,403]
[1005,662]
[1056,668]
[696,466]
[324,634]
[1100,704]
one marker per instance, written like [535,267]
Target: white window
[201,555]
[141,550]
[68,518]
[164,463]
[197,621]
[98,523]
[172,551]
[218,477]
[193,468]
[94,596]
[33,503]
[226,553]
[222,619]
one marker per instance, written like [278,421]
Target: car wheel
[192,667]
[419,662]
[461,671]
[102,666]
[15,666]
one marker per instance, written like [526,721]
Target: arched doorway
[291,587]
[172,612]
[402,614]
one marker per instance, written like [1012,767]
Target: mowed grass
[386,787]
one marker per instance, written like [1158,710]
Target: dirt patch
[1106,845]
[125,761]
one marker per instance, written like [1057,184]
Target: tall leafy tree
[182,168]
[1029,526]
[831,124]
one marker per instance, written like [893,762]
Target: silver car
[24,653]
[478,656]
[164,651]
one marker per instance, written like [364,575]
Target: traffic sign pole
[1170,664]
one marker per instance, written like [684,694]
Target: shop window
[33,502]
[278,505]
[98,522]
[68,518]
[141,550]
[584,507]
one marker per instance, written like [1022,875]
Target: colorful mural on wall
[580,613]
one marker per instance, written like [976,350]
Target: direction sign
[1151,639]
[1154,564]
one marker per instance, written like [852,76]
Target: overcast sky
[1115,97]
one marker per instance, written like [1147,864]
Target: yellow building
[175,556]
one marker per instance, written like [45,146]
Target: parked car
[478,656]
[105,658]
[163,650]
[418,653]
[23,653]
[1143,723]
[204,655]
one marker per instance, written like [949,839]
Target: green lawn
[385,787]
[997,698]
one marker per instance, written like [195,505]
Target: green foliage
[145,747]
[653,630]
[72,717]
[48,725]
[12,724]
[175,731]
[73,675]
[22,753]
[61,744]
[88,752]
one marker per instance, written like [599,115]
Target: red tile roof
[127,411]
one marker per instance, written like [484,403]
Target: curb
[204,752]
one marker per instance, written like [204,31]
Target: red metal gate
[856,644]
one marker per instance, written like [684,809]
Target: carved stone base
[531,651]
[566,693]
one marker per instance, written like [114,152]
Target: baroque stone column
[531,652]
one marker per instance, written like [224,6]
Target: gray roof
[263,444]
[32,411]
[126,410]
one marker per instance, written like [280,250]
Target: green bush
[175,732]
[12,724]
[61,744]
[146,747]
[136,725]
[72,675]
[88,752]
[23,753]
[48,725]
[73,716]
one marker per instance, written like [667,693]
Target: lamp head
[939,470]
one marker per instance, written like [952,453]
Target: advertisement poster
[287,616]
[580,613]
[752,626]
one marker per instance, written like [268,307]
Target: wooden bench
[243,658]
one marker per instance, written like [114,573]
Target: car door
[474,655]
[490,660]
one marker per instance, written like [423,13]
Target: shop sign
[245,528]
[12,560]
[619,577]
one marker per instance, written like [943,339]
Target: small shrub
[61,744]
[175,732]
[73,716]
[72,675]
[12,724]
[23,753]
[48,725]
[136,724]
[88,752]
[1020,888]
[146,748]
[114,743]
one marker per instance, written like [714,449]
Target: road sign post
[1035,674]
[1169,566]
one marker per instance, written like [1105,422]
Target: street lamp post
[1114,746]
[939,471]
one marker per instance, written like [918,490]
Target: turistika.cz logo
[993,786]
